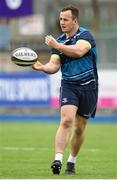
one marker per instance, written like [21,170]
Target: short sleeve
[55,51]
[87,36]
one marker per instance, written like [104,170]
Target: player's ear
[75,21]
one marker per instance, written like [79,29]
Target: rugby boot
[56,167]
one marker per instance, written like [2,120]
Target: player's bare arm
[51,67]
[78,50]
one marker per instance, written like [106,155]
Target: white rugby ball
[24,56]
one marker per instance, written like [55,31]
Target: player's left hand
[51,41]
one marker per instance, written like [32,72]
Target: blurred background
[23,91]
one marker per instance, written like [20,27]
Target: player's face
[67,23]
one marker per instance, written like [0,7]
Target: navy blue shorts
[84,97]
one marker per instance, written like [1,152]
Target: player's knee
[79,130]
[80,125]
[66,121]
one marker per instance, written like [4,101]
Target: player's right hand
[38,66]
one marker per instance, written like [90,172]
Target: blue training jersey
[83,69]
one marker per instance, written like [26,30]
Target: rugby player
[74,53]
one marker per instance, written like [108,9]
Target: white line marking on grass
[57,178]
[17,148]
[93,150]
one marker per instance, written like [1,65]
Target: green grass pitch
[27,150]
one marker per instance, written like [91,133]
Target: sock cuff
[71,159]
[59,157]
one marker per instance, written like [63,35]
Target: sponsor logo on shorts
[64,100]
